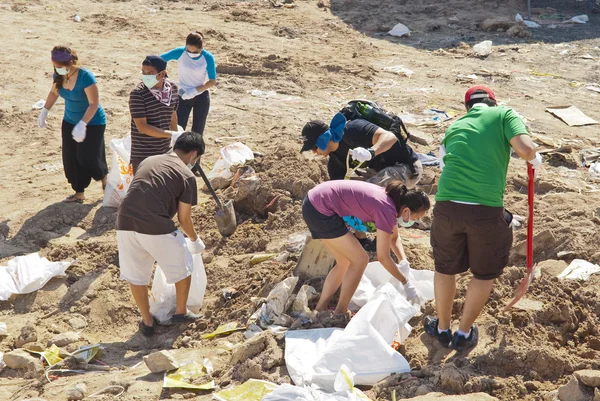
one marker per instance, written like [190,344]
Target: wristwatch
[372,152]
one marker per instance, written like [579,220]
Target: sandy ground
[316,56]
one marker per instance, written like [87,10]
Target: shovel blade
[226,220]
[522,288]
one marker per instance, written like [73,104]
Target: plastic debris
[29,273]
[51,355]
[263,94]
[256,259]
[38,105]
[87,353]
[223,329]
[272,311]
[400,70]
[2,364]
[579,269]
[300,305]
[571,115]
[252,390]
[483,49]
[3,329]
[230,156]
[77,18]
[579,19]
[295,242]
[193,376]
[400,30]
[594,171]
[528,24]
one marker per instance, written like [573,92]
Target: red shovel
[522,289]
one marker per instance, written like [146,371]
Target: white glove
[79,131]
[196,246]
[412,294]
[361,155]
[189,94]
[404,268]
[42,118]
[536,162]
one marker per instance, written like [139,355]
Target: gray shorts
[320,225]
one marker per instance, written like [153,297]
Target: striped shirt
[142,103]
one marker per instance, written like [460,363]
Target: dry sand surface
[316,56]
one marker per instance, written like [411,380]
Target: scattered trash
[429,159]
[272,311]
[375,275]
[87,353]
[594,171]
[121,173]
[3,329]
[256,259]
[77,18]
[400,30]
[437,115]
[594,88]
[252,390]
[50,167]
[230,293]
[2,364]
[76,393]
[38,105]
[223,329]
[263,94]
[528,24]
[229,156]
[571,115]
[161,361]
[99,393]
[29,273]
[304,296]
[483,49]
[193,376]
[467,78]
[588,57]
[578,19]
[313,357]
[579,269]
[295,242]
[400,70]
[162,300]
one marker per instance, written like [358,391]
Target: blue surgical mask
[61,70]
[150,80]
[193,55]
[405,224]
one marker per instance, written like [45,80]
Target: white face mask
[61,70]
[193,55]
[405,224]
[150,80]
[191,165]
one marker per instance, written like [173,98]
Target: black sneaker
[460,342]
[147,331]
[430,325]
[369,245]
[187,318]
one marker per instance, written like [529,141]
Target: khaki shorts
[138,252]
[472,237]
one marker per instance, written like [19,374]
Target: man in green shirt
[471,229]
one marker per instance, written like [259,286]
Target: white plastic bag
[29,273]
[230,155]
[579,269]
[399,30]
[121,172]
[375,275]
[162,300]
[314,357]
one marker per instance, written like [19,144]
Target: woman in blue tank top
[83,124]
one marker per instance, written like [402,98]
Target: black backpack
[384,119]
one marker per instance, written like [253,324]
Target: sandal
[73,199]
[147,330]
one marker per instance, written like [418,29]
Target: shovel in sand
[225,216]
[531,270]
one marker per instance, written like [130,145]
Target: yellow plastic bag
[190,375]
[51,355]
[226,328]
[252,390]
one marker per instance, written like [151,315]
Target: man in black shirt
[366,142]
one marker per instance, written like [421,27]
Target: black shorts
[472,237]
[320,225]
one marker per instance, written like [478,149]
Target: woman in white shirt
[197,74]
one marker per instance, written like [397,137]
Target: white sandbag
[313,357]
[121,172]
[162,299]
[230,155]
[375,275]
[29,273]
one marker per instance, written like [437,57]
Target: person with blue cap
[153,107]
[367,143]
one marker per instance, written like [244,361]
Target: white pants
[138,252]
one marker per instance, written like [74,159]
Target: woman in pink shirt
[324,209]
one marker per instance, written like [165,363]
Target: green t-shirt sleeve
[513,125]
